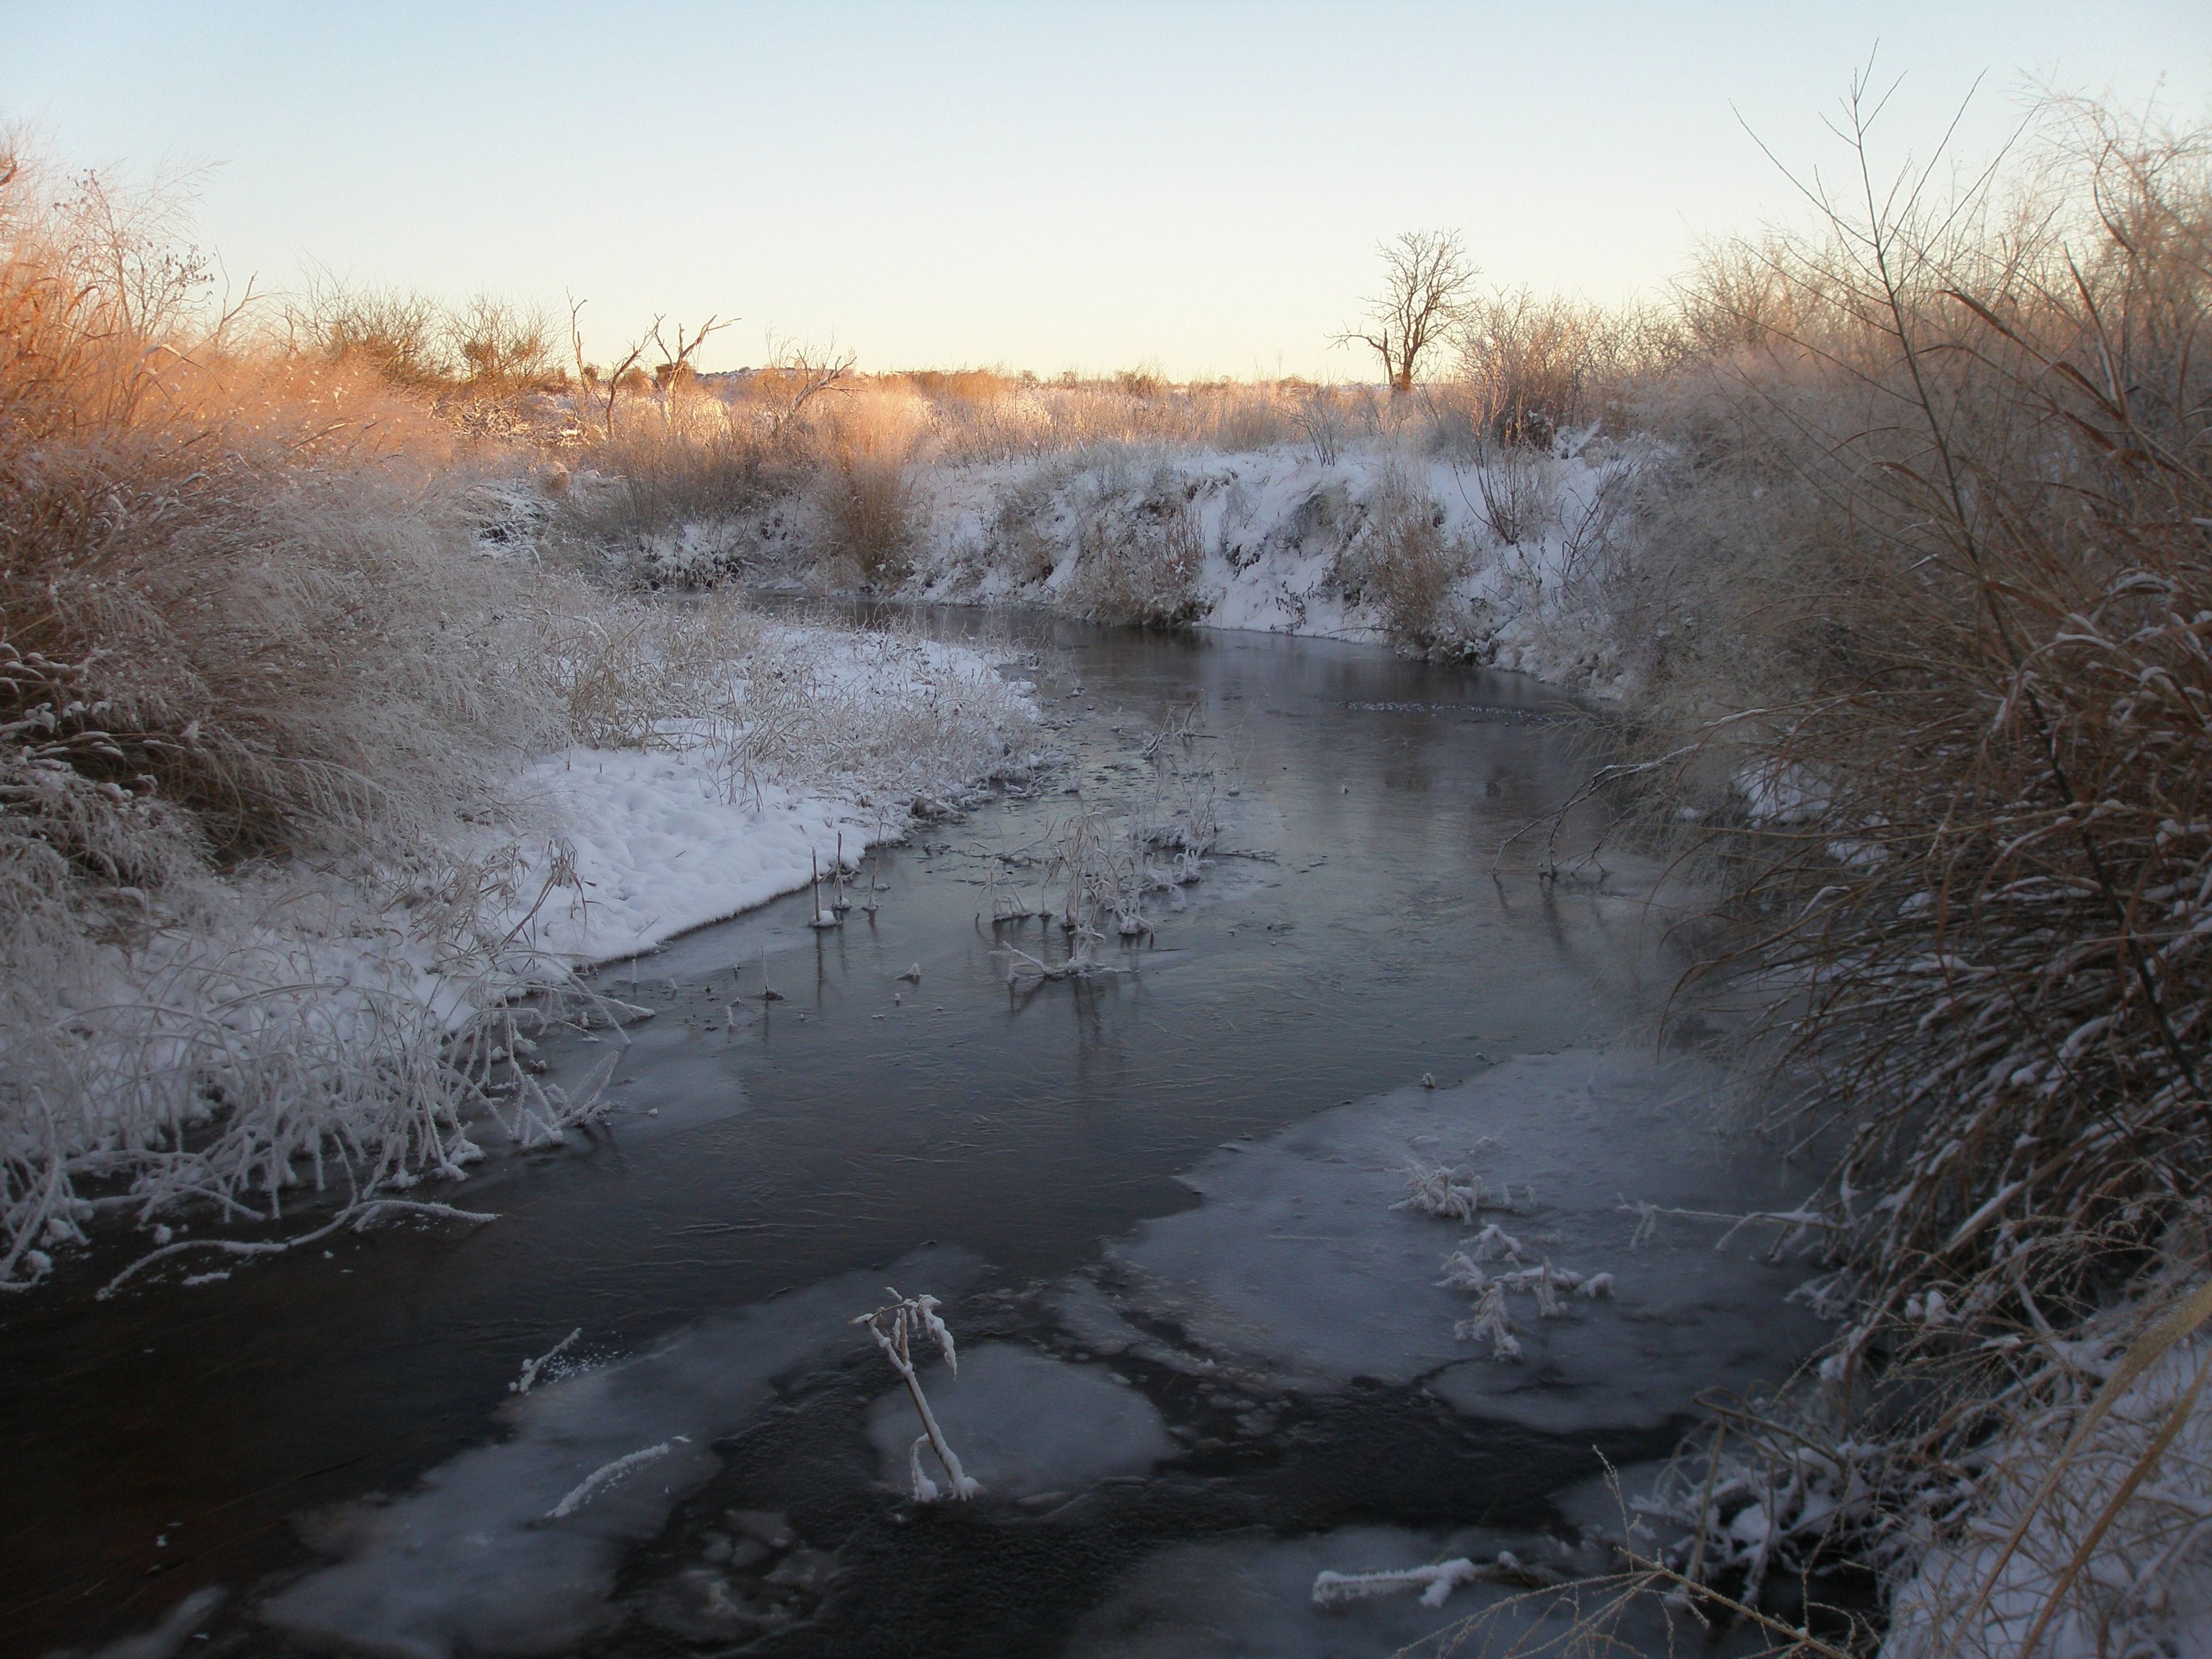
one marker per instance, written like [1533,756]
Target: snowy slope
[1291,544]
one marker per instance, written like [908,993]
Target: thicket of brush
[1920,595]
[267,677]
[241,606]
[239,620]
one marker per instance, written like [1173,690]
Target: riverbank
[267,1038]
[823,1140]
[1479,552]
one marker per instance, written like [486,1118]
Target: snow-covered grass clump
[243,1041]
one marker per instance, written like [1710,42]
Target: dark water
[164,1440]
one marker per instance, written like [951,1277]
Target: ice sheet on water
[1297,1267]
[470,1562]
[1023,1423]
[169,1633]
[1254,1597]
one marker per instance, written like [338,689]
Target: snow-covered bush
[273,657]
[1409,567]
[1138,555]
[1920,581]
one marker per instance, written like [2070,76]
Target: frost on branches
[894,1326]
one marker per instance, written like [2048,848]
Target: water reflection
[767,1145]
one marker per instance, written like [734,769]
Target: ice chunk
[470,1562]
[1026,1424]
[1296,1268]
[1254,1599]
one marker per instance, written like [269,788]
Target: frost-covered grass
[1922,576]
[1495,553]
[1109,872]
[279,1035]
[309,769]
[2092,1531]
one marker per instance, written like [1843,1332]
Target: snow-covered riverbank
[289,1029]
[1496,556]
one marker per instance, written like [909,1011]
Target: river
[1026,1153]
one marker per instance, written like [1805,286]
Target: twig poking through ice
[1545,1282]
[1491,1321]
[1794,1223]
[530,1368]
[361,1217]
[1494,1243]
[893,1325]
[1438,1189]
[1436,1583]
[1461,1275]
[603,1477]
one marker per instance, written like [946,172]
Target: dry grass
[1973,788]
[264,684]
[864,445]
[242,618]
[1923,601]
[1139,552]
[230,588]
[1407,566]
[1532,366]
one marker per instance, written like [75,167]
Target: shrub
[1531,366]
[1403,564]
[676,458]
[228,587]
[242,617]
[1138,554]
[1922,593]
[867,507]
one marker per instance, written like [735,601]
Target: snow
[1297,1270]
[320,1001]
[1255,1599]
[1436,1583]
[2146,1585]
[512,1578]
[1025,1424]
[1276,525]
[169,1633]
[660,849]
[673,839]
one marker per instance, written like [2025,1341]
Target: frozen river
[1205,1357]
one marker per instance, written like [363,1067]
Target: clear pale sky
[1199,186]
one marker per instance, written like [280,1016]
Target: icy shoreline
[290,1030]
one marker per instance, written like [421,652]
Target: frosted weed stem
[892,1326]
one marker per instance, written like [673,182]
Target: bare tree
[593,393]
[794,376]
[597,395]
[1425,279]
[675,365]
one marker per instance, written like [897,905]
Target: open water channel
[1203,1356]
